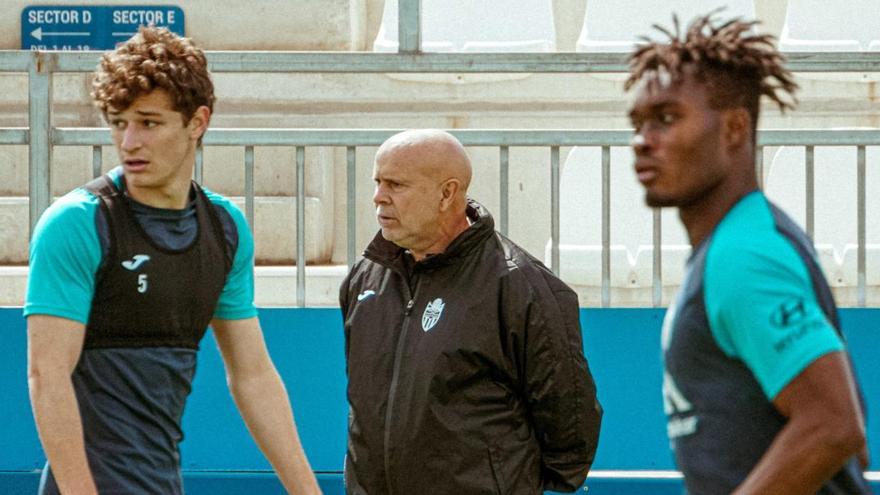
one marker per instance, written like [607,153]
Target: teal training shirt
[67,249]
[753,312]
[760,300]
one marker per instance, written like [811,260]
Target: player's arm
[262,401]
[65,253]
[54,347]
[559,388]
[825,428]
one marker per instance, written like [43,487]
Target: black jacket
[466,372]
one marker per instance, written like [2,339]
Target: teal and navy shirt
[71,239]
[753,312]
[131,398]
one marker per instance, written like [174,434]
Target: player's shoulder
[74,210]
[222,201]
[747,233]
[226,207]
[747,247]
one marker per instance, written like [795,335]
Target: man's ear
[736,128]
[198,124]
[448,191]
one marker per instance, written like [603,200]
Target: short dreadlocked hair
[154,58]
[737,65]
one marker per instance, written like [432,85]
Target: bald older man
[466,373]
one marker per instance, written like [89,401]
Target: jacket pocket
[497,472]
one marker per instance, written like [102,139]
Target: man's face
[155,146]
[677,142]
[407,200]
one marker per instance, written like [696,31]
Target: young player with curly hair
[126,274]
[758,388]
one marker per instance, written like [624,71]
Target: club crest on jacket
[432,314]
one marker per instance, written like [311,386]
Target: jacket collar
[387,253]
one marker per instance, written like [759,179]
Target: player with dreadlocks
[758,388]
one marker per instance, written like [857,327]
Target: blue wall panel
[622,346]
[307,348]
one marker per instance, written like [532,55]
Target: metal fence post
[409,26]
[40,123]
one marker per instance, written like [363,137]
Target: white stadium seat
[631,227]
[817,25]
[673,258]
[850,264]
[614,26]
[832,266]
[835,192]
[580,198]
[476,26]
[582,265]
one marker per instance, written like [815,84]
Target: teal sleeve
[762,309]
[65,254]
[237,299]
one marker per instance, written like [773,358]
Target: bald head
[421,180]
[430,152]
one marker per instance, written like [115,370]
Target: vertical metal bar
[96,161]
[351,203]
[249,186]
[504,186]
[861,208]
[554,209]
[811,191]
[300,226]
[199,173]
[657,279]
[606,226]
[409,24]
[759,166]
[40,143]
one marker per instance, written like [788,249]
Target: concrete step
[274,285]
[274,230]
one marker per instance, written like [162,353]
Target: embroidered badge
[432,314]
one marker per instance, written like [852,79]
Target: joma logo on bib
[432,314]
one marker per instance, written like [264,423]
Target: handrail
[91,136]
[419,62]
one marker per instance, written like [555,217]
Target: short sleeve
[237,299]
[762,309]
[65,254]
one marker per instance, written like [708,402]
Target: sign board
[67,27]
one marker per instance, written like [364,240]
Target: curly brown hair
[154,58]
[737,65]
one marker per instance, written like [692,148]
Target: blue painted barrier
[219,457]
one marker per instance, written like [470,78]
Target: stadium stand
[469,26]
[466,26]
[615,26]
[835,169]
[631,225]
[817,26]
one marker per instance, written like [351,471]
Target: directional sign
[67,27]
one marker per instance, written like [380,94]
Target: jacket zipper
[394,377]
